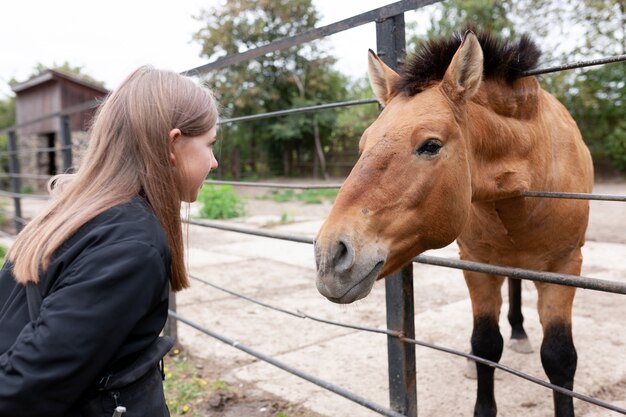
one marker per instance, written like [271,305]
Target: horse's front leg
[486,340]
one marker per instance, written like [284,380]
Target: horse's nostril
[344,256]
[341,251]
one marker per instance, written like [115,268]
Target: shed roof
[50,75]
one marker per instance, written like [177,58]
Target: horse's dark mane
[502,60]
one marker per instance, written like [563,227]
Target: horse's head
[410,189]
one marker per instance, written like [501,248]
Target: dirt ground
[282,274]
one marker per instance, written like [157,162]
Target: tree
[76,71]
[7,112]
[297,76]
[7,119]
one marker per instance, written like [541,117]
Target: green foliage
[280,196]
[26,189]
[219,385]
[306,196]
[3,215]
[285,218]
[7,118]
[294,77]
[453,15]
[3,254]
[352,121]
[77,71]
[616,145]
[220,202]
[186,391]
[317,196]
[7,113]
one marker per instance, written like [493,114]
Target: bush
[616,146]
[220,202]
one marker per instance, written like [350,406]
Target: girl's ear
[174,136]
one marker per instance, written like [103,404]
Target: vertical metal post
[401,356]
[66,143]
[171,328]
[390,45]
[16,182]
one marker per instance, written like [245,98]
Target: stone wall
[37,163]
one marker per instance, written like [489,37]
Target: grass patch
[306,196]
[3,216]
[27,189]
[187,392]
[193,388]
[220,202]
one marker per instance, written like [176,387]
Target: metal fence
[400,330]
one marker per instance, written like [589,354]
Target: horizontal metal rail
[297,110]
[24,196]
[399,335]
[26,176]
[96,103]
[589,283]
[575,196]
[274,185]
[250,231]
[35,150]
[545,194]
[573,65]
[381,13]
[65,112]
[266,358]
[522,375]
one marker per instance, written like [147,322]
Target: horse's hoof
[520,345]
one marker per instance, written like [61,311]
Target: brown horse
[462,134]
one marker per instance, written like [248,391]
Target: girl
[103,253]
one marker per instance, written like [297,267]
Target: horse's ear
[463,76]
[382,78]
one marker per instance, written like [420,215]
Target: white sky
[110,39]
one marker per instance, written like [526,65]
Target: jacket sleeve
[83,322]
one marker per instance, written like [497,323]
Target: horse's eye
[430,147]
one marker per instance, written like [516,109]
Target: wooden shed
[48,93]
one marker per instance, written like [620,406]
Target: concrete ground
[282,274]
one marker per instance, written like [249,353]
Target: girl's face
[196,159]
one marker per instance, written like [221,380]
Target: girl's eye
[430,148]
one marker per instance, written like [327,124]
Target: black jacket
[105,300]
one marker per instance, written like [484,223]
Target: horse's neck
[505,144]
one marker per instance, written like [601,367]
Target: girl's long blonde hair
[128,154]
